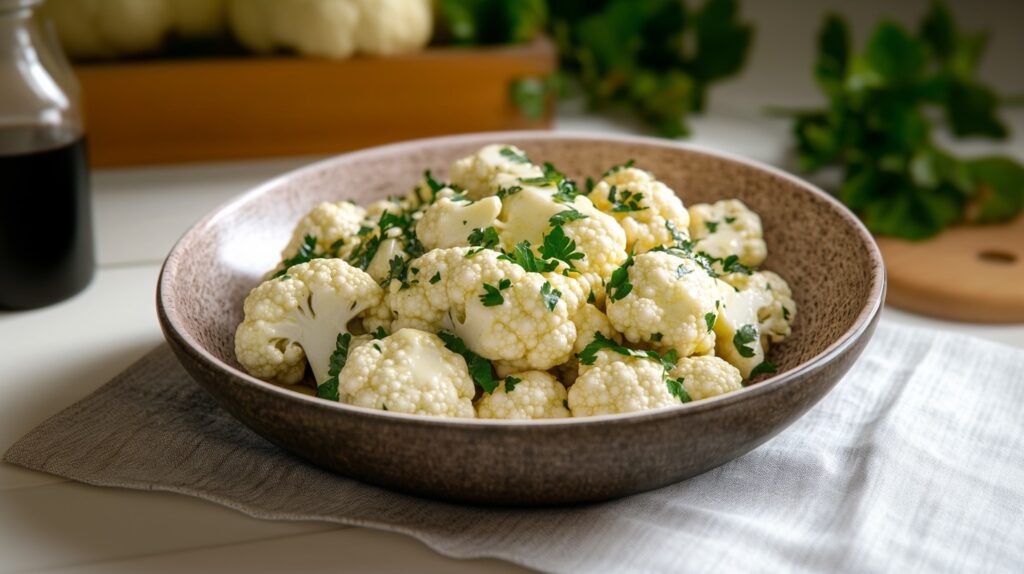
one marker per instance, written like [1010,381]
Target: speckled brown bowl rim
[862,324]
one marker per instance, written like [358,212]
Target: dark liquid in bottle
[46,238]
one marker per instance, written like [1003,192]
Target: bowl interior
[817,246]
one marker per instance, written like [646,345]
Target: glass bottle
[46,236]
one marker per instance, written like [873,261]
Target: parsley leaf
[513,155]
[711,225]
[523,256]
[618,285]
[480,369]
[676,389]
[329,389]
[435,278]
[589,354]
[485,237]
[746,335]
[563,217]
[510,383]
[657,337]
[379,333]
[763,368]
[549,296]
[557,245]
[592,299]
[625,201]
[306,253]
[729,219]
[710,319]
[492,295]
[504,192]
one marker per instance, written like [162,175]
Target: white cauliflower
[450,220]
[334,225]
[619,384]
[332,28]
[522,322]
[737,329]
[532,212]
[107,28]
[297,317]
[409,371]
[493,167]
[589,321]
[665,301]
[642,205]
[525,395]
[727,228]
[706,376]
[777,310]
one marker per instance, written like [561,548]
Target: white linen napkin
[914,463]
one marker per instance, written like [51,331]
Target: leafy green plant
[653,57]
[878,127]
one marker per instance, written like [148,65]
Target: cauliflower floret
[589,321]
[707,376]
[727,228]
[393,26]
[449,221]
[534,395]
[529,214]
[299,316]
[333,224]
[664,300]
[642,205]
[409,371]
[737,329]
[619,384]
[522,322]
[777,310]
[492,167]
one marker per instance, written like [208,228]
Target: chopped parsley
[549,296]
[711,225]
[510,383]
[480,369]
[513,155]
[398,270]
[492,295]
[682,270]
[785,313]
[557,245]
[523,256]
[329,389]
[746,335]
[286,277]
[593,299]
[676,389]
[763,368]
[563,217]
[566,190]
[435,278]
[379,333]
[483,237]
[657,337]
[306,253]
[710,319]
[504,192]
[618,285]
[625,201]
[565,403]
[589,354]
[729,219]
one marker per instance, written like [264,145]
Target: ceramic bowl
[828,257]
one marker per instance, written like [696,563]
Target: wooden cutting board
[968,273]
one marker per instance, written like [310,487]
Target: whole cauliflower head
[532,212]
[525,395]
[728,227]
[493,167]
[297,317]
[449,221]
[335,226]
[409,371]
[642,205]
[666,301]
[522,322]
[619,384]
[706,376]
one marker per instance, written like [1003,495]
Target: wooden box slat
[211,109]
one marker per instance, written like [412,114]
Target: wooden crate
[167,111]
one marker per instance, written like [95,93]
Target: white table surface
[55,356]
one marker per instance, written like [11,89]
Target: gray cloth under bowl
[915,462]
